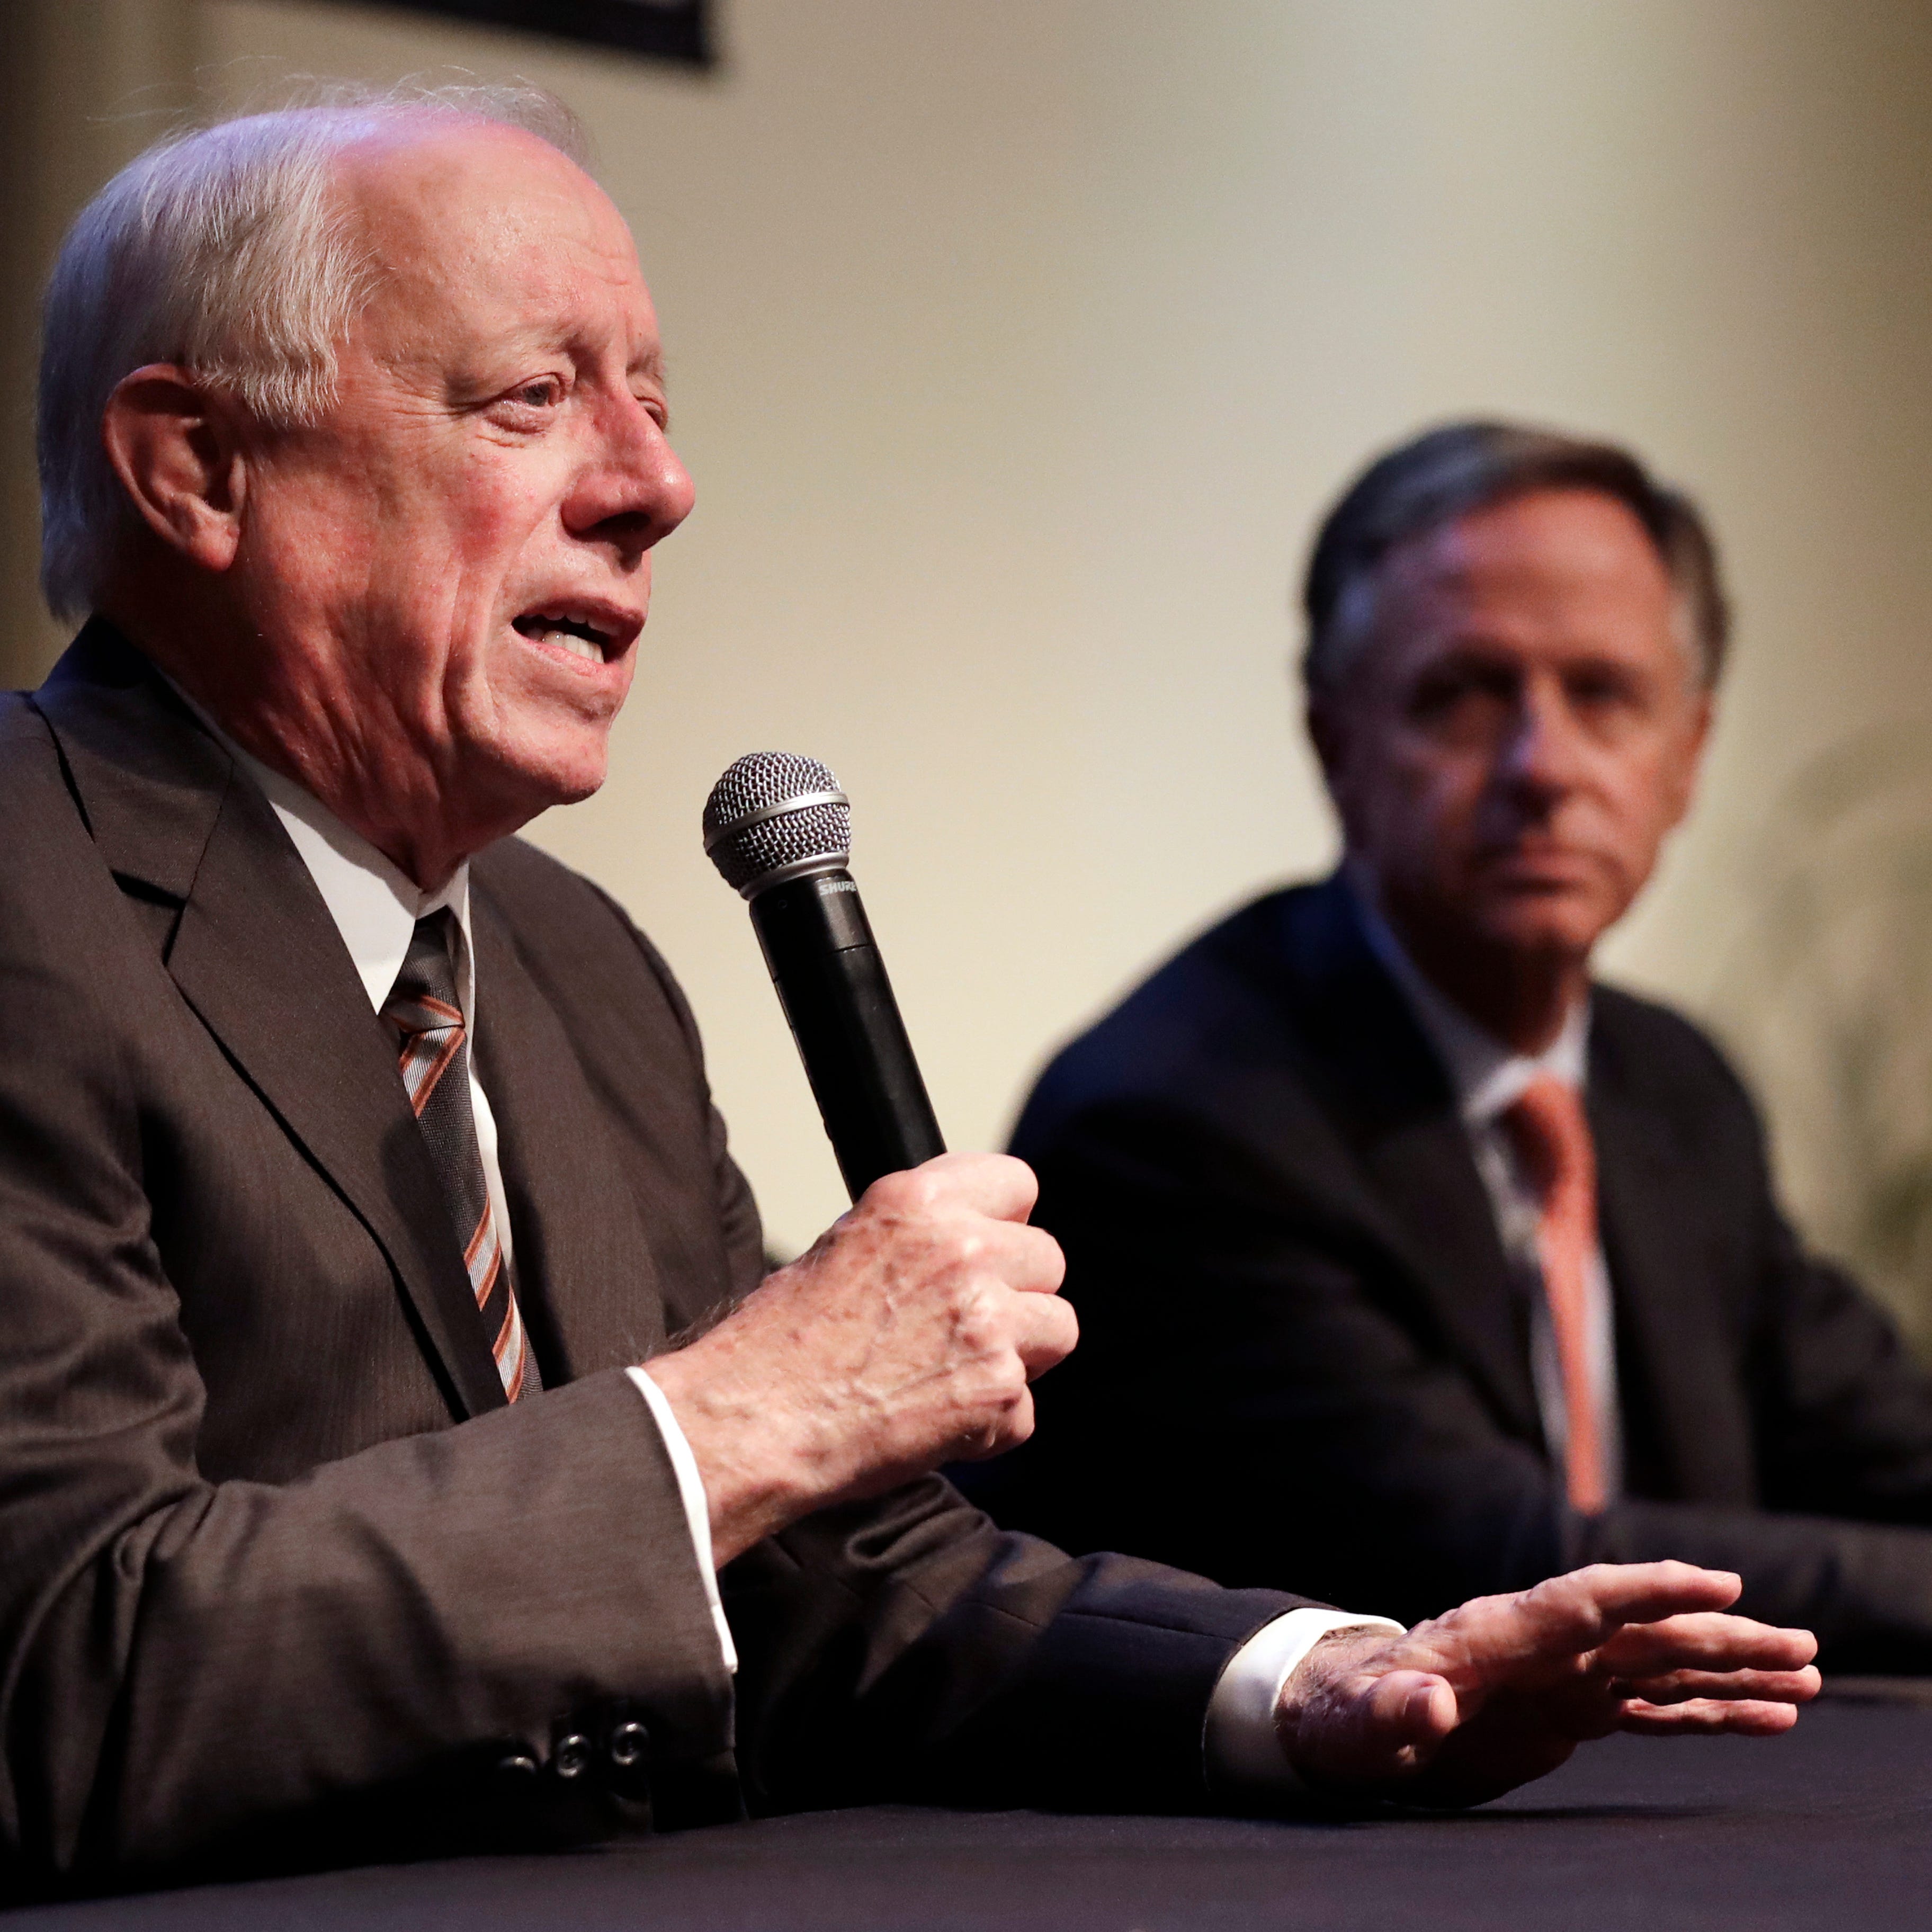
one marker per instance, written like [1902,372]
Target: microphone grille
[774,811]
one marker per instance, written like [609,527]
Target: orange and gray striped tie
[434,1051]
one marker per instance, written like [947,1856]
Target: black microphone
[779,830]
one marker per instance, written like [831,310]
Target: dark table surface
[1830,1826]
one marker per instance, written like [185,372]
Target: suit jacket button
[629,1742]
[514,1767]
[570,1756]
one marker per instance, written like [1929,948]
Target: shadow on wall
[1828,1004]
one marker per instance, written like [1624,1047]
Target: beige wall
[85,85]
[1014,345]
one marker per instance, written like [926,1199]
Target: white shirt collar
[375,905]
[1486,1075]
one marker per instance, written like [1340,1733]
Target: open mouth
[583,635]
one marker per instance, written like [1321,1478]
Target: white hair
[226,249]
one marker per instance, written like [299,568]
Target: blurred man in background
[1398,1243]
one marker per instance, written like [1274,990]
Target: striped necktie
[1552,1135]
[433,1050]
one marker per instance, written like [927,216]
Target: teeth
[581,647]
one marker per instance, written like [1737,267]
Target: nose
[634,491]
[1542,757]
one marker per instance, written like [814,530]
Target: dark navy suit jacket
[1302,1353]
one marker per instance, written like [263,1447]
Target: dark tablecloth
[1830,1826]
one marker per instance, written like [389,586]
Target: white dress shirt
[1488,1079]
[375,907]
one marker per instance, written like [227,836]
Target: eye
[544,392]
[1607,694]
[526,408]
[1457,693]
[1600,685]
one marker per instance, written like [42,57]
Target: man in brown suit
[353,1501]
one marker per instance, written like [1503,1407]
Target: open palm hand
[1503,1689]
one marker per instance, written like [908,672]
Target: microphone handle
[832,986]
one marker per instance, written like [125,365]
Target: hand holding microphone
[907,1335]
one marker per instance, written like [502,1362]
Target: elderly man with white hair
[398,1448]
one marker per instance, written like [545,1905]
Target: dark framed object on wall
[675,30]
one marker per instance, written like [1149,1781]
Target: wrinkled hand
[905,1338]
[1505,1688]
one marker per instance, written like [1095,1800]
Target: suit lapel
[257,956]
[1427,1181]
[1674,1356]
[583,1264]
[1393,1104]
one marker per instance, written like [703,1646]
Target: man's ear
[178,453]
[1335,745]
[1326,732]
[1689,760]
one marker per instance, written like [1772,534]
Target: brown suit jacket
[282,1580]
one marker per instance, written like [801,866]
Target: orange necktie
[1553,1137]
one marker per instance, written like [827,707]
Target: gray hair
[1449,472]
[227,250]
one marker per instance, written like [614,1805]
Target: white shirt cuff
[696,1508]
[1243,1749]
